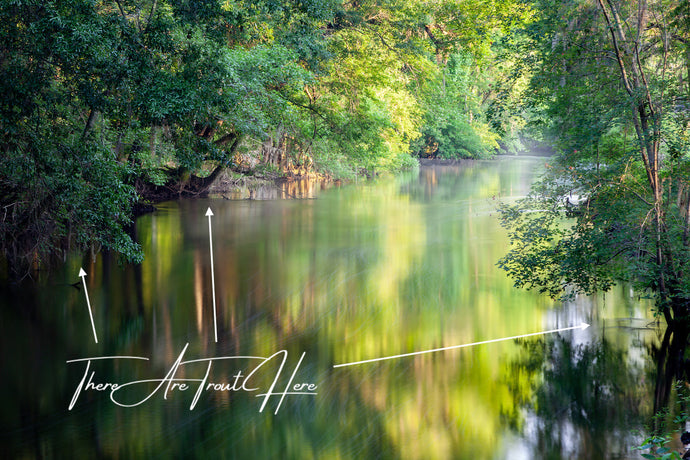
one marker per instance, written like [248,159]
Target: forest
[110,106]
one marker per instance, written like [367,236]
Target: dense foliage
[109,103]
[612,88]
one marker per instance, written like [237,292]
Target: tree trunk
[274,149]
[646,118]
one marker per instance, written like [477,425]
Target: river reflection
[363,271]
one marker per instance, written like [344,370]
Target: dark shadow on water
[672,366]
[591,401]
[585,400]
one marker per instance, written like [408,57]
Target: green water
[360,272]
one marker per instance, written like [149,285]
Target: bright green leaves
[472,102]
[158,90]
[420,74]
[371,108]
[455,125]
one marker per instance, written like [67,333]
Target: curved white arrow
[582,326]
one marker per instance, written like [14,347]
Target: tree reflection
[585,397]
[672,366]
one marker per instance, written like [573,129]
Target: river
[359,272]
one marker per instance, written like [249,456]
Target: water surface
[369,270]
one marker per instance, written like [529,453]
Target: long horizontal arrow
[582,326]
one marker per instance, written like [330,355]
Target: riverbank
[234,186]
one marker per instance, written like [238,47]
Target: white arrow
[82,275]
[582,326]
[209,213]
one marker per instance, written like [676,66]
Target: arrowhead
[82,272]
[584,326]
[209,212]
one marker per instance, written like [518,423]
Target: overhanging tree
[622,62]
[103,102]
